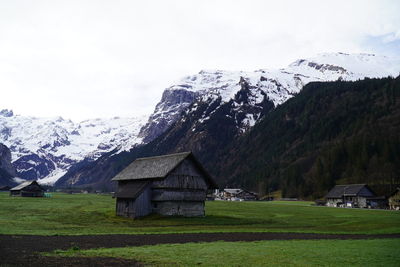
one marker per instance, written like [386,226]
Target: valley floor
[125,250]
[83,230]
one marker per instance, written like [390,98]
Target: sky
[90,59]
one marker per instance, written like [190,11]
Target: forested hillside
[330,133]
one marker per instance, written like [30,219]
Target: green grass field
[372,252]
[95,214]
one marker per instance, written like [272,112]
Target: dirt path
[23,250]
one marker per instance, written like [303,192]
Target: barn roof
[346,190]
[158,167]
[23,185]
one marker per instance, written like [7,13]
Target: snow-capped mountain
[44,148]
[206,112]
[276,85]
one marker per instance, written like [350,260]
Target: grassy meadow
[373,252]
[77,214]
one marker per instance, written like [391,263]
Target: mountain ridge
[44,148]
[228,104]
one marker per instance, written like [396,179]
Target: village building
[237,194]
[394,200]
[173,184]
[354,196]
[27,189]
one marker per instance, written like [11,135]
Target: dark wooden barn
[27,189]
[173,184]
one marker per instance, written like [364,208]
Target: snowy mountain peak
[355,66]
[6,113]
[275,85]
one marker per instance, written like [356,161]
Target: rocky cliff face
[173,102]
[5,160]
[7,170]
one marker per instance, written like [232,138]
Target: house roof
[132,190]
[158,167]
[346,190]
[233,190]
[23,185]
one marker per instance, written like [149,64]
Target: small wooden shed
[27,189]
[174,184]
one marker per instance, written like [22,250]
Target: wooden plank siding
[180,208]
[181,193]
[122,206]
[133,208]
[142,205]
[178,195]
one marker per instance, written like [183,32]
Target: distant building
[173,184]
[27,189]
[394,200]
[354,196]
[230,193]
[237,194]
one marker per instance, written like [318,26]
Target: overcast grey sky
[85,59]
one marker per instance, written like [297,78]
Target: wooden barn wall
[180,208]
[142,205]
[181,193]
[15,192]
[124,207]
[133,208]
[178,195]
[25,193]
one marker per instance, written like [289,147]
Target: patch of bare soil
[23,250]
